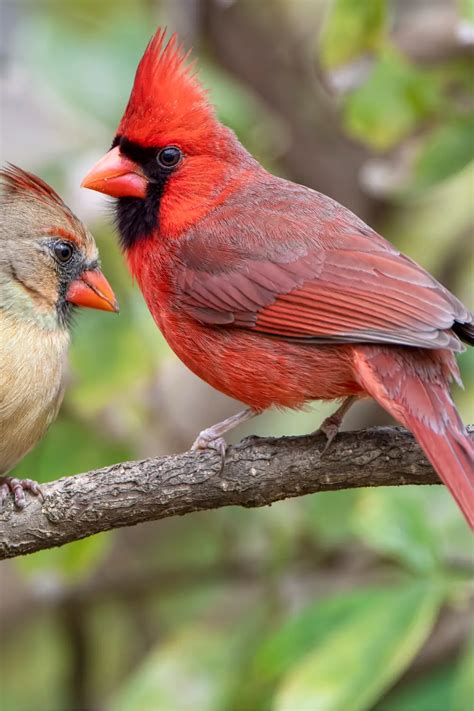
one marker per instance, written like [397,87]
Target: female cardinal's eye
[169,157]
[63,251]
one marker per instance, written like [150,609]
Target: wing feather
[351,287]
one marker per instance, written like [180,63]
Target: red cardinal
[269,291]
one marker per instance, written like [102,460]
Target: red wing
[361,291]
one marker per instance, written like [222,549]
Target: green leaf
[195,669]
[432,692]
[189,671]
[446,152]
[394,523]
[363,657]
[463,691]
[466,8]
[298,635]
[390,105]
[351,28]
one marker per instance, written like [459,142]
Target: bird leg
[17,488]
[211,438]
[330,426]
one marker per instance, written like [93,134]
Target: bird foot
[329,428]
[209,439]
[17,488]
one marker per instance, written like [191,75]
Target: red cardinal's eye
[63,251]
[169,157]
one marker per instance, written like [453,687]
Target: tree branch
[257,473]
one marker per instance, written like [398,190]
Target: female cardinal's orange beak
[116,175]
[93,291]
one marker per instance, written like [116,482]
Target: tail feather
[413,386]
[451,455]
[465,331]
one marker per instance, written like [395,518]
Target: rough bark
[257,473]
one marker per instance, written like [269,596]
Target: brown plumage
[48,264]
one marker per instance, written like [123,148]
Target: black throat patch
[138,218]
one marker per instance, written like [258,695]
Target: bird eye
[169,157]
[63,251]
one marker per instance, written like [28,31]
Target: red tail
[413,386]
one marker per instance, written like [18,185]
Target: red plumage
[271,292]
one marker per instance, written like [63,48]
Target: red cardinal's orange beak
[93,291]
[116,175]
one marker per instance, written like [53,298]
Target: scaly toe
[4,491]
[206,441]
[17,488]
[32,486]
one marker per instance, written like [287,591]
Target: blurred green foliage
[391,103]
[351,28]
[466,8]
[198,614]
[385,633]
[448,149]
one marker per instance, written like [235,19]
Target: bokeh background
[352,600]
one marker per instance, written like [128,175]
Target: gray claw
[330,430]
[206,441]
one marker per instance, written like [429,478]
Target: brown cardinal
[271,292]
[48,265]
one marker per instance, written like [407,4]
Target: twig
[257,473]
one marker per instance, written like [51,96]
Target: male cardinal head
[270,291]
[48,265]
[170,159]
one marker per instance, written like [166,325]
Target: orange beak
[116,175]
[93,291]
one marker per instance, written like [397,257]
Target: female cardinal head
[171,158]
[48,259]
